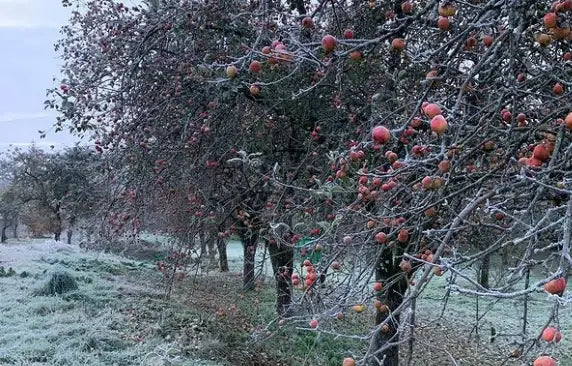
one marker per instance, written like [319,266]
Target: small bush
[59,283]
[9,273]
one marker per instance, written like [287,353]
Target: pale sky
[28,31]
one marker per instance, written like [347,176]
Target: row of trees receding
[402,140]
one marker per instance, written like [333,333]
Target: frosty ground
[118,316]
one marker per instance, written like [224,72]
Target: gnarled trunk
[58,225]
[249,243]
[70,234]
[484,271]
[211,249]
[282,259]
[386,272]
[222,256]
[15,232]
[4,237]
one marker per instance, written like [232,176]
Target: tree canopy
[406,139]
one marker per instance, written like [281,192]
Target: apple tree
[405,139]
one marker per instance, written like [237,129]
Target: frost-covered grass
[93,325]
[117,317]
[504,316]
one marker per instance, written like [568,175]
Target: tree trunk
[504,256]
[484,271]
[222,257]
[16,220]
[282,259]
[249,243]
[211,249]
[203,253]
[386,272]
[58,228]
[4,238]
[70,229]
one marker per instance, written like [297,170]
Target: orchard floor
[118,316]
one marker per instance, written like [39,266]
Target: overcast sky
[28,31]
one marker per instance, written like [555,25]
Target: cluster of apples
[551,21]
[329,44]
[311,275]
[445,11]
[274,54]
[550,335]
[541,153]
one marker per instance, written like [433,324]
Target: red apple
[391,156]
[398,44]
[255,66]
[355,55]
[405,266]
[543,39]
[307,23]
[540,152]
[443,23]
[380,237]
[488,40]
[471,42]
[556,286]
[254,89]
[551,334]
[407,7]
[431,110]
[377,286]
[427,182]
[403,236]
[550,20]
[568,121]
[348,34]
[439,124]
[329,43]
[348,361]
[544,361]
[313,324]
[444,166]
[380,135]
[430,212]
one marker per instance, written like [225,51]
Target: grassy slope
[100,324]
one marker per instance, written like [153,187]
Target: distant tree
[59,183]
[10,206]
